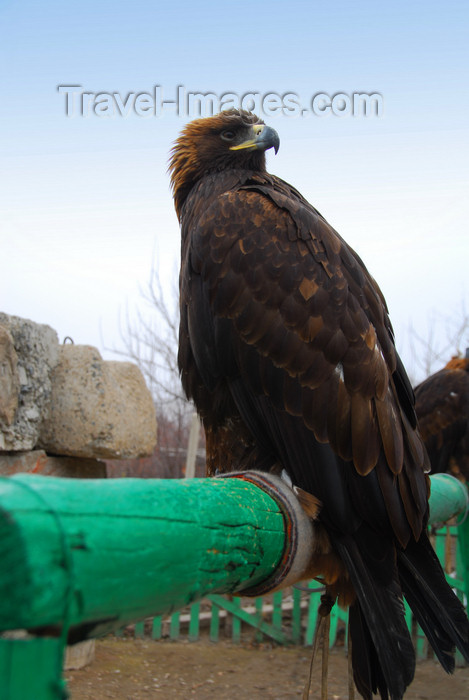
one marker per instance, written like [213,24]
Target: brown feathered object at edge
[287,350]
[442,407]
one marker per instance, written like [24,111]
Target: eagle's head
[232,139]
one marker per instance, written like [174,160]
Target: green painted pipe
[92,555]
[449,498]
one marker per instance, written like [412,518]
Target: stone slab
[98,409]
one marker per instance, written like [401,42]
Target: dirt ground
[128,669]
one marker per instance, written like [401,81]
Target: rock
[38,462]
[9,378]
[79,655]
[98,408]
[28,353]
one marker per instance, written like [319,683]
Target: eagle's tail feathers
[383,656]
[439,612]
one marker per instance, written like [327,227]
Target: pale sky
[85,201]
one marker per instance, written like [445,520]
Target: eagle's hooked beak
[263,138]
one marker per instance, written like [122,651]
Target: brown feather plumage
[287,350]
[442,406]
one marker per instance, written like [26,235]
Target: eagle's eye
[228,135]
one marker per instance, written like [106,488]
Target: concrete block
[79,655]
[98,409]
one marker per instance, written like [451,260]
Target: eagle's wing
[288,312]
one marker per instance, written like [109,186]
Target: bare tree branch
[150,339]
[446,337]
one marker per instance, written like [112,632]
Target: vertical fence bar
[439,545]
[346,639]
[139,629]
[277,611]
[156,627]
[463,546]
[258,604]
[215,623]
[194,622]
[174,626]
[314,600]
[236,631]
[296,616]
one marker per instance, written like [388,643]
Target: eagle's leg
[321,637]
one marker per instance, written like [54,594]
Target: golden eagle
[287,350]
[442,407]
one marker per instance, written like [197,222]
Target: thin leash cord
[351,684]
[317,636]
[325,655]
[321,636]
[68,566]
